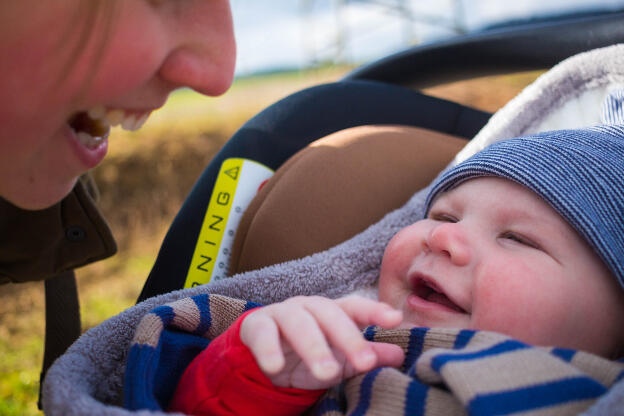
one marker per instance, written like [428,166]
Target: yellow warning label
[214,225]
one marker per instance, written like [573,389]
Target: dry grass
[143,183]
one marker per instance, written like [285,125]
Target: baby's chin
[410,325]
[414,321]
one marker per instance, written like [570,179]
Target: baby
[523,239]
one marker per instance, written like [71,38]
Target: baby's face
[493,255]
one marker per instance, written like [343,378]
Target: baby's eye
[520,239]
[442,217]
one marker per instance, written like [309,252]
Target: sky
[279,34]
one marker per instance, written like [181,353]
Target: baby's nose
[450,239]
[203,51]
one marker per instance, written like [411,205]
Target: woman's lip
[115,116]
[134,110]
[88,157]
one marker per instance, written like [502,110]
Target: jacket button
[75,233]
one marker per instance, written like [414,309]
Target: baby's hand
[316,342]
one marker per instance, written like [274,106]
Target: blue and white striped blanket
[446,371]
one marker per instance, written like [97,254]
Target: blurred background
[283,46]
[299,34]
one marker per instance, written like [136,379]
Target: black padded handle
[512,49]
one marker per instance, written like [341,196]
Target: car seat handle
[521,47]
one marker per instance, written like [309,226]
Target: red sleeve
[224,379]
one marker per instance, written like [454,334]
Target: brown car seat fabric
[335,188]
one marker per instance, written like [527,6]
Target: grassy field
[143,182]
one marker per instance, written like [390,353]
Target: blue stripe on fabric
[565,354]
[328,404]
[369,333]
[440,360]
[205,318]
[414,346]
[249,305]
[138,377]
[547,394]
[366,392]
[165,313]
[416,397]
[175,352]
[463,338]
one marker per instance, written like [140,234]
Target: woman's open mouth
[90,132]
[93,126]
[425,291]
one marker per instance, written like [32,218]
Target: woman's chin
[37,198]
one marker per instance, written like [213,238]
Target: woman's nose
[450,239]
[203,51]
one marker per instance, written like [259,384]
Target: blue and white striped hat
[580,173]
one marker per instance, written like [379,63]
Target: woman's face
[67,74]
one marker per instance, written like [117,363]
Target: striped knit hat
[580,173]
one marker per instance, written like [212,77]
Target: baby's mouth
[430,292]
[93,126]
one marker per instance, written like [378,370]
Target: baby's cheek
[500,306]
[519,304]
[398,256]
[390,289]
[393,274]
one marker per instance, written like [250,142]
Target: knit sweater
[446,371]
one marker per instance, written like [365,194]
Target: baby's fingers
[260,334]
[343,334]
[299,328]
[365,312]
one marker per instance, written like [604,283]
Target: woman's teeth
[89,141]
[93,126]
[116,117]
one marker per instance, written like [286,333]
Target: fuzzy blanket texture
[88,378]
[446,371]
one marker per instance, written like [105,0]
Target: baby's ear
[618,353]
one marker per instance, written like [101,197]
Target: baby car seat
[348,152]
[326,124]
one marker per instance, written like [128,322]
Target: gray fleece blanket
[87,379]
